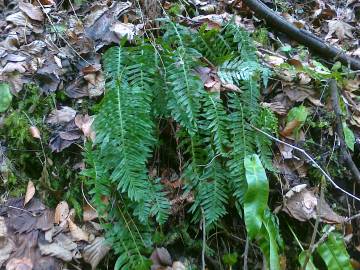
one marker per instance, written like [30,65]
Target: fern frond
[212,45]
[236,70]
[211,194]
[128,239]
[268,122]
[242,139]
[215,122]
[185,87]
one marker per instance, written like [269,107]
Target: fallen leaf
[56,250]
[89,213]
[96,251]
[32,11]
[35,132]
[19,264]
[30,192]
[65,114]
[340,28]
[290,127]
[77,233]
[6,244]
[61,212]
[161,258]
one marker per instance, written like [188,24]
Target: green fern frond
[128,239]
[211,194]
[242,140]
[236,70]
[215,122]
[268,122]
[212,45]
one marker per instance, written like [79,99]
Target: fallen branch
[304,37]
[345,155]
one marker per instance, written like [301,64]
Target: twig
[246,252]
[304,37]
[340,132]
[311,159]
[352,217]
[20,209]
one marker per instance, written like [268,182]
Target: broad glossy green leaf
[334,254]
[310,265]
[268,239]
[5,97]
[349,137]
[256,197]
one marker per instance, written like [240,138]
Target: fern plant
[148,82]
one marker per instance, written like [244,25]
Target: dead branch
[302,36]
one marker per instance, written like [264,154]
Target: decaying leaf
[33,12]
[65,114]
[61,212]
[340,28]
[35,132]
[19,264]
[6,244]
[96,251]
[77,233]
[30,191]
[56,250]
[301,203]
[89,213]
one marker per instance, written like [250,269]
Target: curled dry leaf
[290,127]
[301,204]
[35,132]
[77,233]
[61,212]
[30,191]
[84,122]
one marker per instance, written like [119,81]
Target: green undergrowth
[220,157]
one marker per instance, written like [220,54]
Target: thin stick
[311,159]
[246,252]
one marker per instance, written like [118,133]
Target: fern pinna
[148,82]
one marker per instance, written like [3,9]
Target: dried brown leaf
[77,233]
[30,192]
[61,212]
[33,12]
[289,128]
[65,114]
[340,29]
[35,132]
[96,251]
[89,213]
